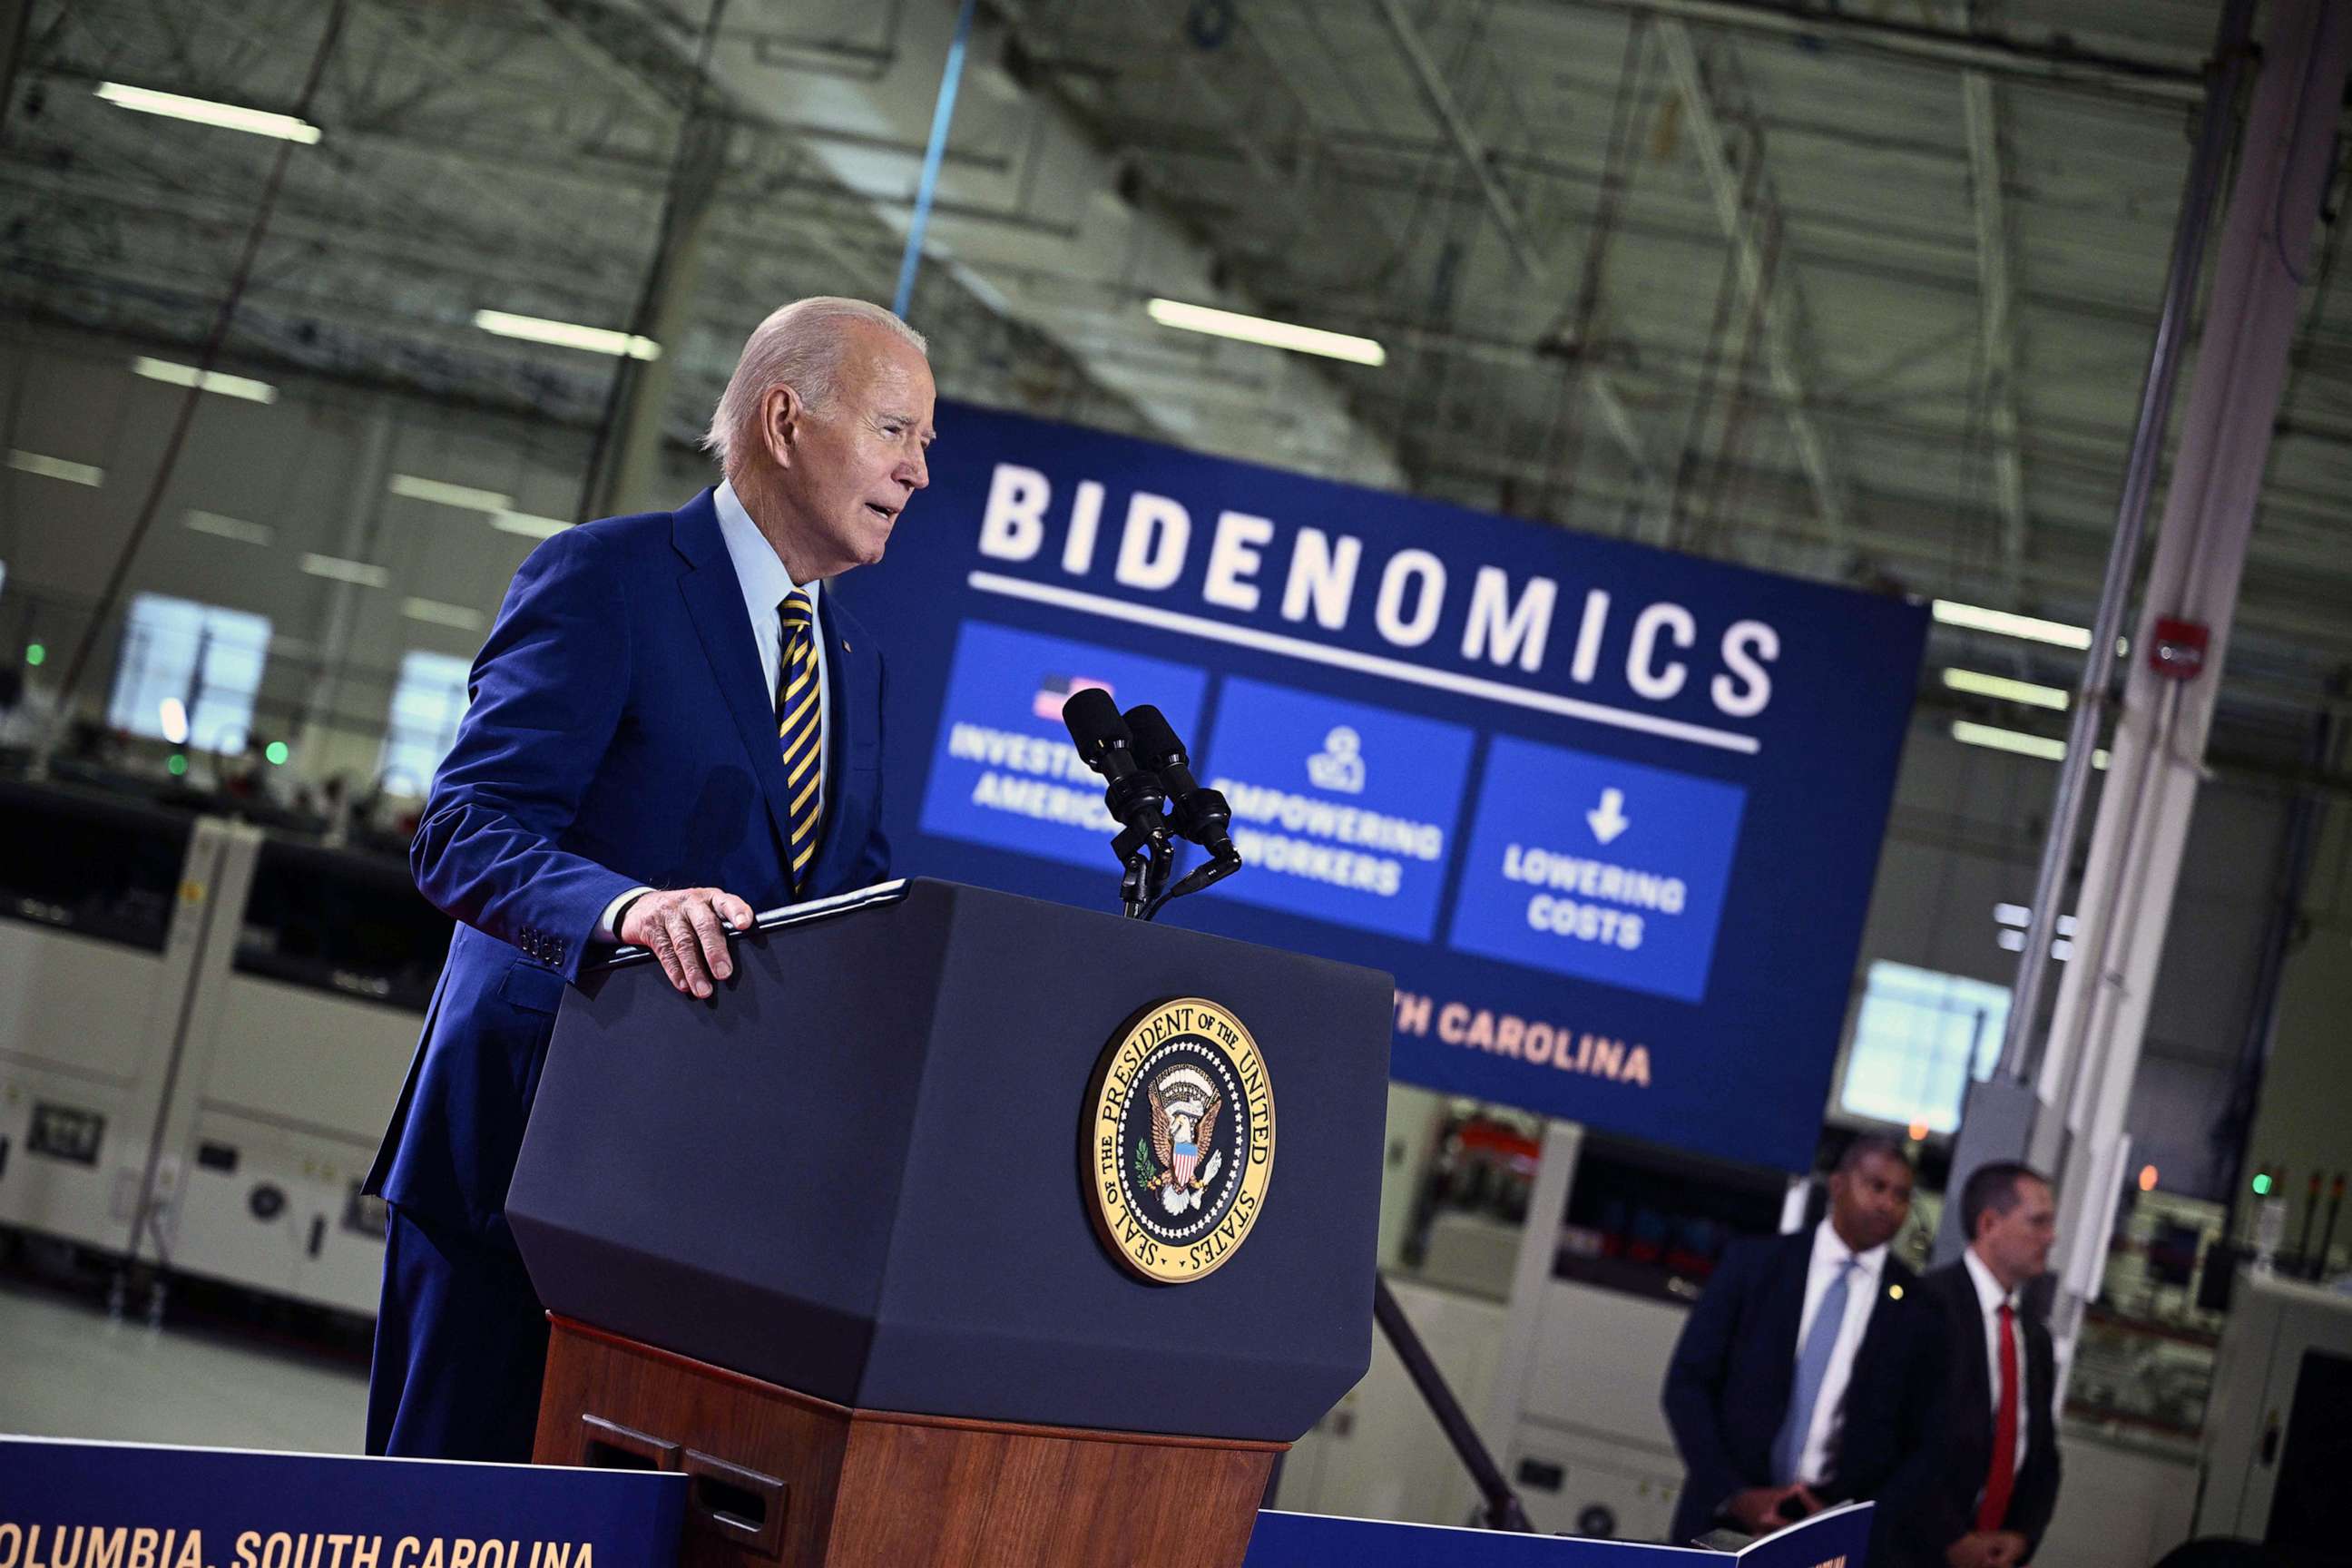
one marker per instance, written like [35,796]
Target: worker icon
[1339,765]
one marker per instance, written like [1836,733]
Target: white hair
[802,346]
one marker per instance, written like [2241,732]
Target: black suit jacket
[1729,1385]
[1936,1503]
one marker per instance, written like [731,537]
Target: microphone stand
[1503,1509]
[1147,858]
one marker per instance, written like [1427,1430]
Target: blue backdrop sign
[1837,1539]
[128,1505]
[1609,814]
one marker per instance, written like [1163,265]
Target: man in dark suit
[674,721]
[1783,1392]
[1988,1497]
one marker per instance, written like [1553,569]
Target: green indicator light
[2262,1185]
[177,765]
[36,653]
[275,752]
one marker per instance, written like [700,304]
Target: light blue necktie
[1812,1370]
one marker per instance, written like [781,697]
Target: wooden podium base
[780,1477]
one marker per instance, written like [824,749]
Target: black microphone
[1134,794]
[1202,814]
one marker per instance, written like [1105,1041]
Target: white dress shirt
[1989,1295]
[1830,1254]
[761,573]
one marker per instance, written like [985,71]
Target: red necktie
[2002,1478]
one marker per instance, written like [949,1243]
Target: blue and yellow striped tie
[800,731]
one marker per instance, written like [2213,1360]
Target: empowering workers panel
[1609,814]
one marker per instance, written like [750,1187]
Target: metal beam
[1775,301]
[1464,135]
[2170,78]
[1988,186]
[1472,150]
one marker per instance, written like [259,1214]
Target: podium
[832,1243]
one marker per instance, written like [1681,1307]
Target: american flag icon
[1053,690]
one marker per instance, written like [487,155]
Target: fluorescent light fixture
[204,111]
[1272,334]
[359,572]
[567,334]
[465,498]
[204,380]
[433,612]
[174,715]
[527,525]
[2020,916]
[2004,623]
[236,528]
[2014,941]
[56,468]
[1978,683]
[1970,733]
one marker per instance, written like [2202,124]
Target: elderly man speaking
[672,722]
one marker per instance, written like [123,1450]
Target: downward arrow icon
[1608,818]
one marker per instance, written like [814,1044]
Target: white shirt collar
[1989,1294]
[757,567]
[1830,1250]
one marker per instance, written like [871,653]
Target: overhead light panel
[433,612]
[465,498]
[529,526]
[1978,683]
[360,573]
[227,385]
[223,527]
[567,334]
[204,111]
[1970,733]
[50,468]
[2008,624]
[1272,334]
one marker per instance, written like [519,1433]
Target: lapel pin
[1895,1292]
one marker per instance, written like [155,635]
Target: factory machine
[204,1030]
[1619,1239]
[2277,1438]
[302,1029]
[106,909]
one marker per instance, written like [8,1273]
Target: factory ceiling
[1865,292]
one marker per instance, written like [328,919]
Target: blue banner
[66,1504]
[1837,1539]
[1609,814]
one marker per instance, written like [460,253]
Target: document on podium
[789,915]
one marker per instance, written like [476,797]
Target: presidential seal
[1178,1144]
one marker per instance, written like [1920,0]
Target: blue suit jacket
[620,735]
[1729,1385]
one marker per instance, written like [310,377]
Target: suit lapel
[1785,1311]
[714,602]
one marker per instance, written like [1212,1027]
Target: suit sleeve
[1912,1508]
[1694,1380]
[548,690]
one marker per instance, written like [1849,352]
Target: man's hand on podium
[684,928]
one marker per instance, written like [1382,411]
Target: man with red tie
[1988,1502]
